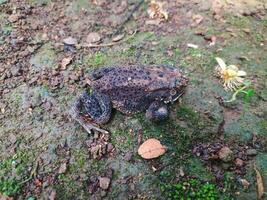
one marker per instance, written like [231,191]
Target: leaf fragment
[259,180]
[151,148]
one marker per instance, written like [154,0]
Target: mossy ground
[32,134]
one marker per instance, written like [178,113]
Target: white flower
[231,76]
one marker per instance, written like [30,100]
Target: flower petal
[241,73]
[233,67]
[239,79]
[221,63]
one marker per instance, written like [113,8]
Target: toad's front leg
[92,110]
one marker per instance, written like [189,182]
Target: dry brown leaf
[259,183]
[197,19]
[93,38]
[3,197]
[52,195]
[151,148]
[213,40]
[156,10]
[65,62]
[245,183]
[70,41]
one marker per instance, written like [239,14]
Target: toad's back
[136,86]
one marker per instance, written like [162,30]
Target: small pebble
[128,156]
[239,162]
[226,154]
[252,152]
[104,182]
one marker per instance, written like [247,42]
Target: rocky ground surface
[216,150]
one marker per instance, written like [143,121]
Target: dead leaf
[245,183]
[14,17]
[197,19]
[216,7]
[151,148]
[52,195]
[70,41]
[65,62]
[213,40]
[3,197]
[156,10]
[62,168]
[121,8]
[99,2]
[259,183]
[93,38]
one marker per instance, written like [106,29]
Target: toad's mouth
[174,97]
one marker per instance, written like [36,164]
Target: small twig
[109,44]
[129,16]
[32,174]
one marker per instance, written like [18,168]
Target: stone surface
[104,182]
[226,154]
[252,152]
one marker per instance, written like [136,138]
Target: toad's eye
[173,92]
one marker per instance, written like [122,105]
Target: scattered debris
[213,40]
[197,19]
[252,152]
[239,162]
[64,63]
[93,184]
[121,8]
[52,195]
[93,38]
[244,183]
[230,75]
[217,9]
[14,17]
[226,154]
[99,145]
[156,10]
[109,44]
[128,156]
[104,182]
[181,172]
[70,41]
[194,46]
[151,148]
[63,168]
[155,22]
[3,197]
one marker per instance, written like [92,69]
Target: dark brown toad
[128,89]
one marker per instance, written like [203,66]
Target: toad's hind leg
[157,111]
[91,110]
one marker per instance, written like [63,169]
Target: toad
[128,89]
